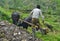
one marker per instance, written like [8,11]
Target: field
[52,19]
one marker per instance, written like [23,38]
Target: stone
[11,32]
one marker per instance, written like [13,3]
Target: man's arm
[31,13]
[42,16]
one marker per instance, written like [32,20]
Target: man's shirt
[36,13]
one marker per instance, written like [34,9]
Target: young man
[36,13]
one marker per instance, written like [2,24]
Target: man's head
[38,6]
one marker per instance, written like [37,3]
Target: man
[36,13]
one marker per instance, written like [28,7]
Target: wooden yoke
[29,23]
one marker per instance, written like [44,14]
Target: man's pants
[35,22]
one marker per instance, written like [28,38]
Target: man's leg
[38,24]
[33,29]
[33,33]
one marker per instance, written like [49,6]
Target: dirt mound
[10,32]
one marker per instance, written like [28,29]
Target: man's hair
[38,6]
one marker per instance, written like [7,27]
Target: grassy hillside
[54,20]
[50,8]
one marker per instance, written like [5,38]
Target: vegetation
[50,8]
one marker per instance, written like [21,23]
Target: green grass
[5,14]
